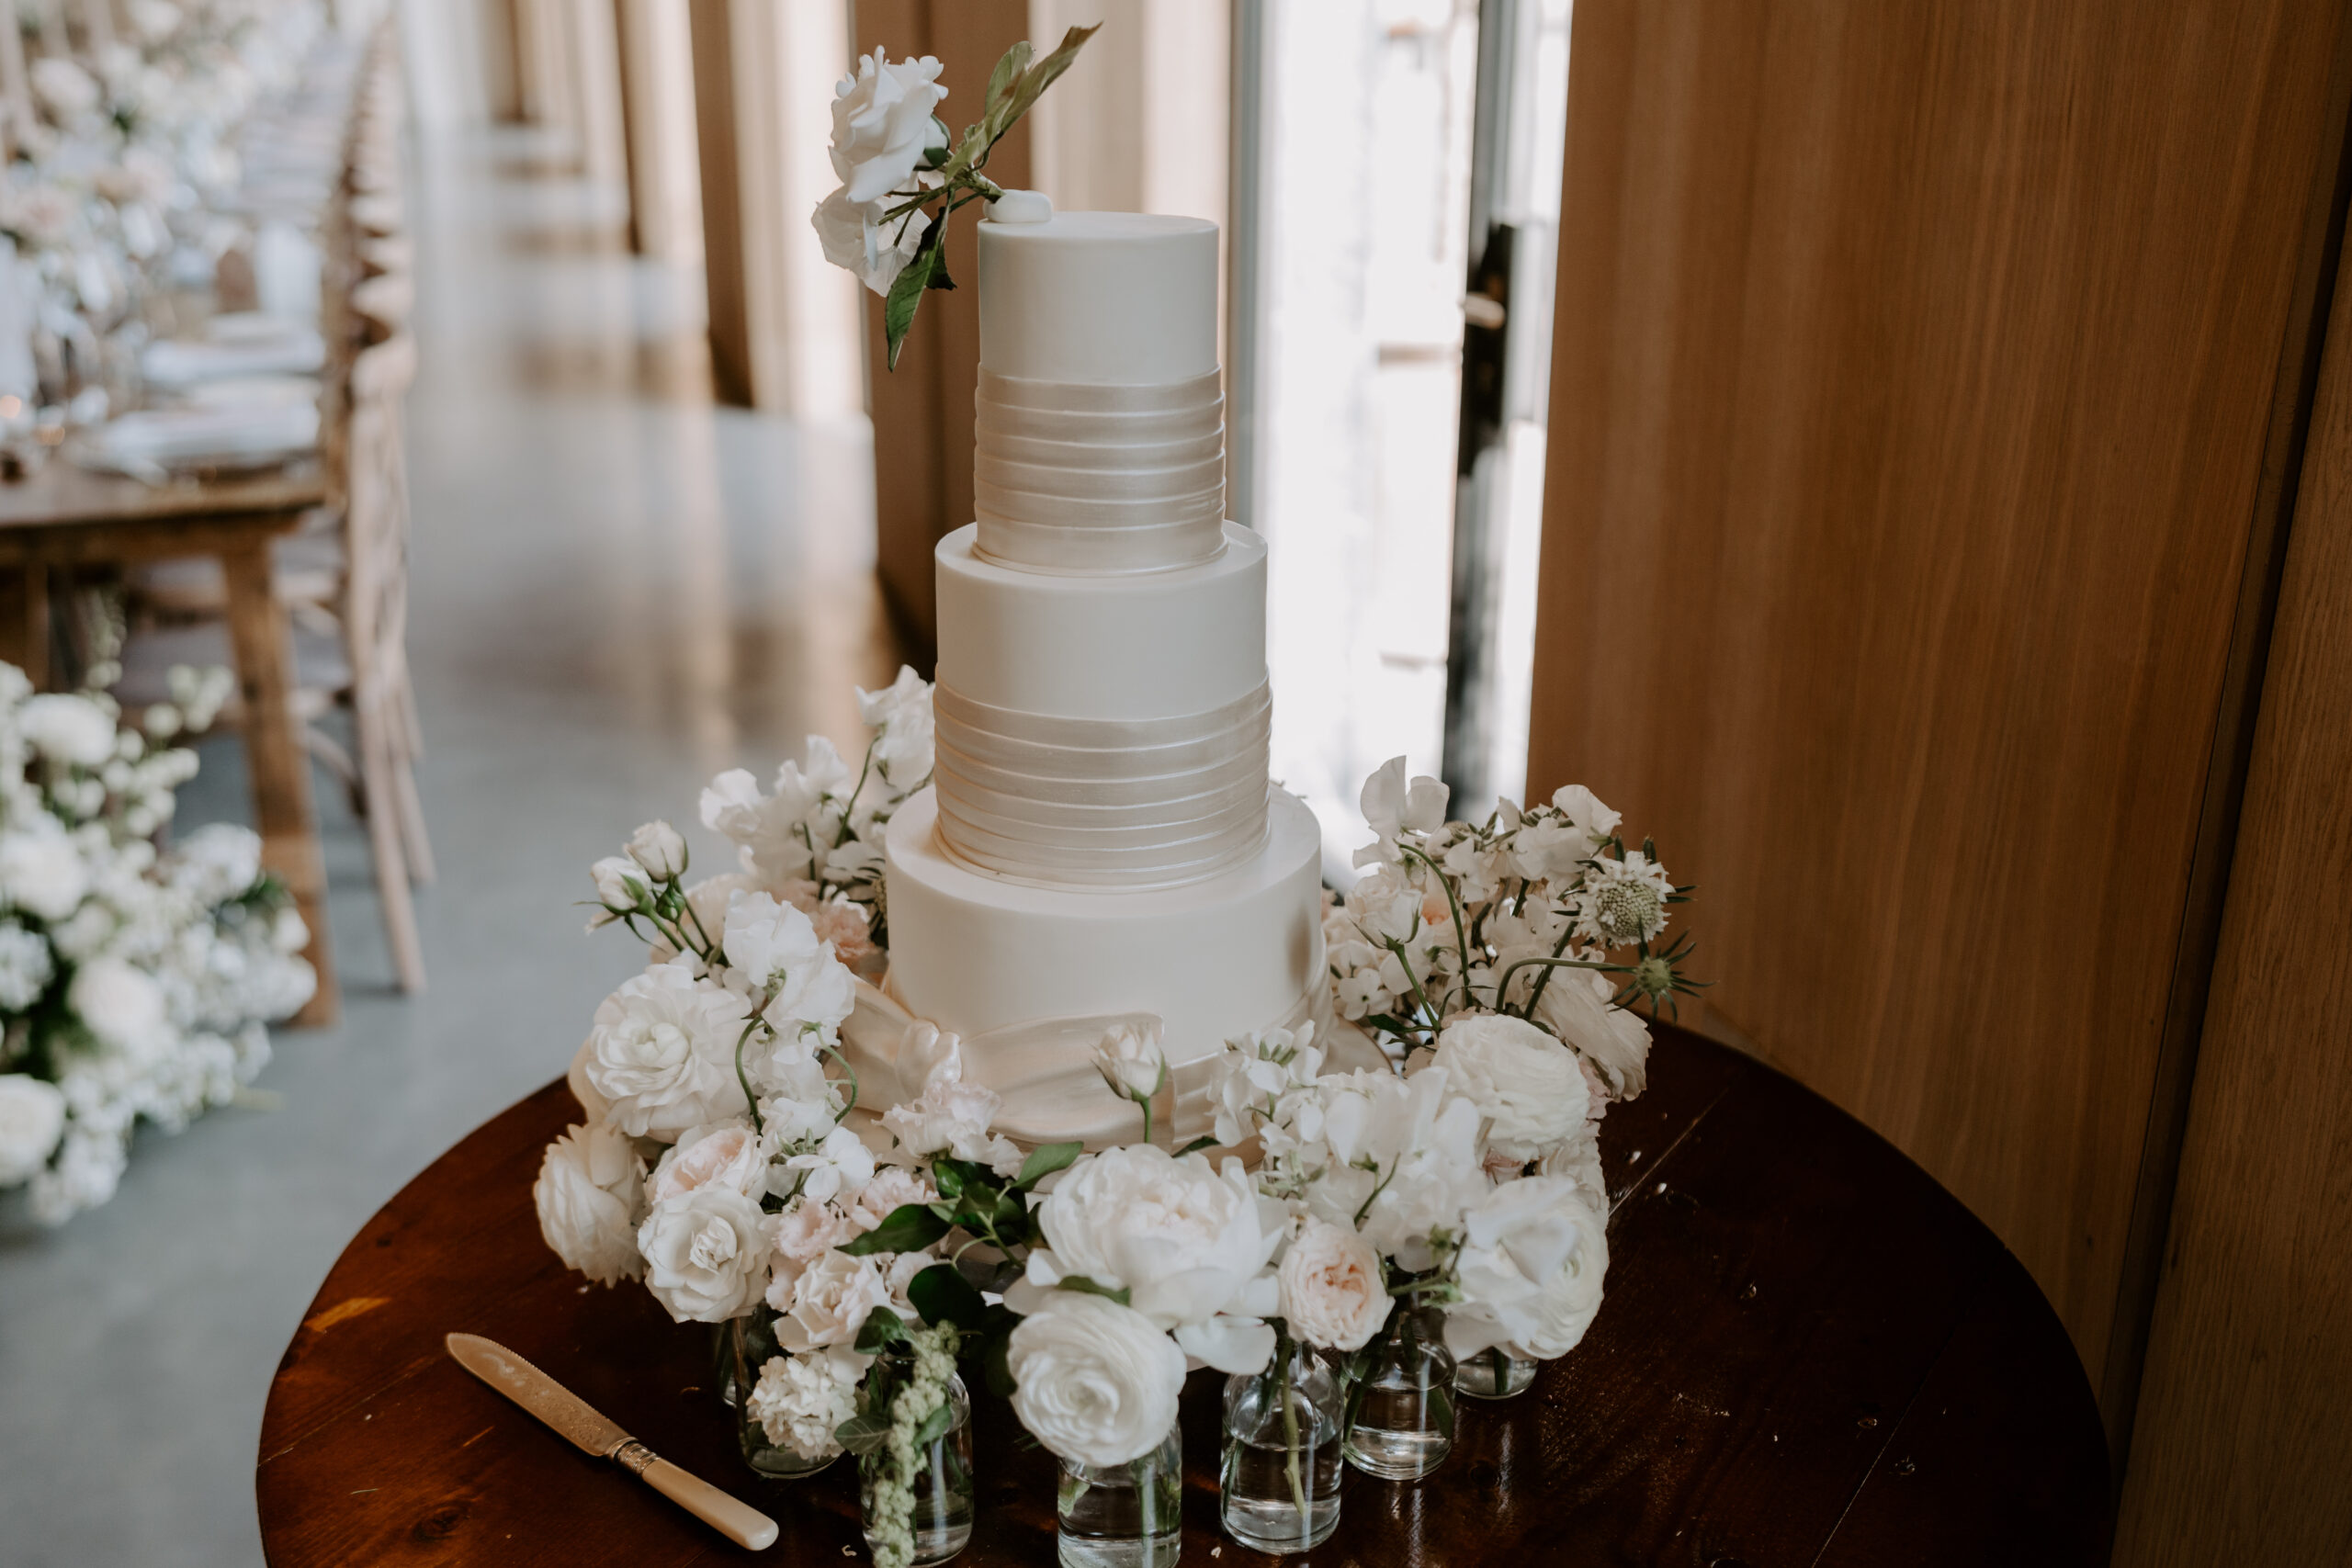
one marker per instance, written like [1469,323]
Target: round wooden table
[1809,1355]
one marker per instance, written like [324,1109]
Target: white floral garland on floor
[134,984]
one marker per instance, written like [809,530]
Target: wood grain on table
[1808,1353]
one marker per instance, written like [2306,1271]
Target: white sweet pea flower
[1528,1084]
[1392,808]
[1259,1084]
[952,1117]
[1402,1151]
[588,1194]
[883,123]
[1577,1008]
[32,1120]
[901,711]
[1096,1382]
[661,1053]
[659,849]
[837,1169]
[706,1254]
[1583,809]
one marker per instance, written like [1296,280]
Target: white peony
[882,123]
[728,1154]
[1576,1005]
[1334,1294]
[831,1301]
[121,1004]
[659,849]
[1526,1083]
[1184,1239]
[800,1400]
[663,1052]
[1095,1381]
[588,1194]
[32,1119]
[67,729]
[706,1254]
[41,872]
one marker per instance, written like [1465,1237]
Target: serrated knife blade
[591,1432]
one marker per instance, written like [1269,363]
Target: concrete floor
[619,591]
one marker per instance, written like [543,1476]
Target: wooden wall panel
[2242,1450]
[1915,371]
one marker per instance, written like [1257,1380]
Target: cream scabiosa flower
[1094,1382]
[588,1194]
[661,1053]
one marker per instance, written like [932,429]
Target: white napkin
[270,347]
[241,433]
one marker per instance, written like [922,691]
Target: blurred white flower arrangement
[134,984]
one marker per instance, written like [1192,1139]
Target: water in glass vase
[1279,1482]
[1400,1399]
[1124,1515]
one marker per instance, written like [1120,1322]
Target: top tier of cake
[1098,437]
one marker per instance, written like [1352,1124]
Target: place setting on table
[1017,1155]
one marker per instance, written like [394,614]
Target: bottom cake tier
[982,956]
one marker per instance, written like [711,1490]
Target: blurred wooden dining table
[62,516]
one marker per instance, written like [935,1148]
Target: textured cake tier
[1098,421]
[973,953]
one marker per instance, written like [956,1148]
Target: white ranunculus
[41,872]
[121,1004]
[1569,1301]
[1094,1382]
[1183,1238]
[831,1301]
[839,1168]
[663,1052]
[32,1119]
[659,849]
[727,1153]
[1526,1083]
[1131,1062]
[1334,1294]
[588,1194]
[706,1254]
[1393,807]
[1515,1241]
[882,123]
[67,729]
[799,1400]
[1617,1042]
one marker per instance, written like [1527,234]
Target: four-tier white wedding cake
[1101,843]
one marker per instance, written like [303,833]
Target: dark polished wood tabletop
[1809,1355]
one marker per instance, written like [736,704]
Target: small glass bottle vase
[1122,1515]
[745,1347]
[1495,1375]
[1400,1398]
[940,1519]
[1278,1483]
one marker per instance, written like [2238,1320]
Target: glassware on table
[750,1342]
[1122,1515]
[1493,1374]
[941,1520]
[1279,1482]
[1400,1397]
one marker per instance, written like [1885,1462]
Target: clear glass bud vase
[1279,1482]
[748,1345]
[939,1519]
[1400,1398]
[1493,1374]
[1122,1515]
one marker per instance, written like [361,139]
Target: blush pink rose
[726,1153]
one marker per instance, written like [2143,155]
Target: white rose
[1617,1042]
[851,239]
[40,871]
[1131,1062]
[882,123]
[727,1152]
[32,1119]
[1567,1304]
[831,1301]
[1183,1238]
[706,1254]
[620,882]
[1094,1382]
[1525,1083]
[663,1052]
[800,1400]
[588,1192]
[659,849]
[121,1004]
[67,728]
[1334,1294]
[1515,1241]
[801,1235]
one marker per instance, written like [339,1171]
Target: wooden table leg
[24,620]
[273,754]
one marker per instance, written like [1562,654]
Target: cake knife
[574,1418]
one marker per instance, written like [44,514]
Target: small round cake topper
[1021,207]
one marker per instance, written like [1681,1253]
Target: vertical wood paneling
[1915,373]
[2242,1450]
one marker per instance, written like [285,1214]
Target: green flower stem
[1420,1001]
[1548,965]
[835,1052]
[1460,930]
[758,1124]
[1290,1433]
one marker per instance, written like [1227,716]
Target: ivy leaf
[863,1433]
[943,1295]
[882,1329]
[1079,1282]
[1043,1161]
[910,1227]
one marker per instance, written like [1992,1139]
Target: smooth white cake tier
[974,953]
[1118,299]
[1152,644]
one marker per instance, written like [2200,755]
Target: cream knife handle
[739,1522]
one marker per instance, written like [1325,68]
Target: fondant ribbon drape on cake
[1140,803]
[1071,477]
